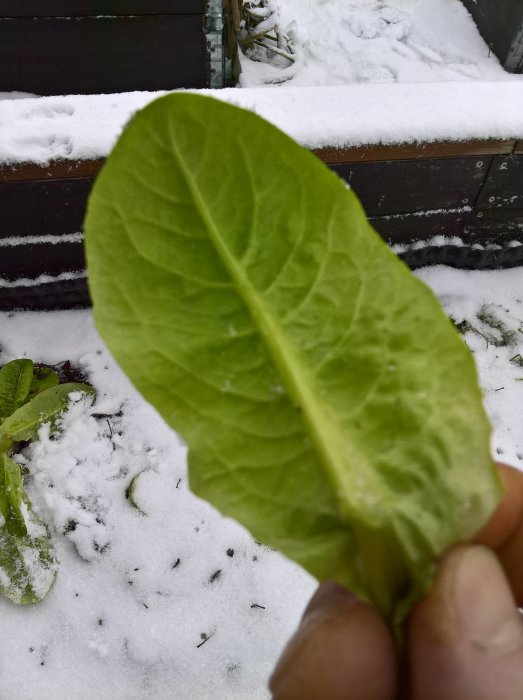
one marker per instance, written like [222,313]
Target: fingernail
[480,599]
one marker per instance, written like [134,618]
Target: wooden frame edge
[67,169]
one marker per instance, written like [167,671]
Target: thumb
[341,650]
[465,639]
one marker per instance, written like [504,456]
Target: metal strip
[214,31]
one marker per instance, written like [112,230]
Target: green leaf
[11,494]
[327,401]
[43,378]
[15,381]
[130,492]
[45,407]
[28,564]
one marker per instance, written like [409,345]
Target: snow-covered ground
[170,599]
[336,42]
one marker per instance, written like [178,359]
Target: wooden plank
[500,226]
[78,8]
[404,228]
[408,186]
[497,226]
[65,294]
[440,149]
[38,259]
[504,185]
[43,207]
[371,153]
[464,258]
[55,170]
[61,56]
[500,23]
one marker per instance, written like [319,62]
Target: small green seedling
[30,395]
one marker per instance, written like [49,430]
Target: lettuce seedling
[30,396]
[327,402]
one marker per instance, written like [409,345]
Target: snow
[41,279]
[169,598]
[136,588]
[438,241]
[10,241]
[488,300]
[339,42]
[77,127]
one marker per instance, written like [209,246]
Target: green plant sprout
[30,395]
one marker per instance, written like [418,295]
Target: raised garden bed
[501,25]
[470,191]
[54,47]
[457,173]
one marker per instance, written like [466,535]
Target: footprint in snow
[377,22]
[47,147]
[49,112]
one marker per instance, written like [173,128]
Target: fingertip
[509,512]
[504,531]
[341,649]
[465,639]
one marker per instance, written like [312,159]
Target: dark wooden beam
[106,54]
[504,185]
[42,207]
[64,294]
[332,156]
[85,8]
[408,186]
[55,170]
[439,149]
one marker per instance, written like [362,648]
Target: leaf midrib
[296,378]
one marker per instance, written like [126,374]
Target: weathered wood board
[83,8]
[65,47]
[43,207]
[33,260]
[405,186]
[504,186]
[411,193]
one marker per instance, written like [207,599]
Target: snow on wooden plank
[79,127]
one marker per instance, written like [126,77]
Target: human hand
[464,640]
